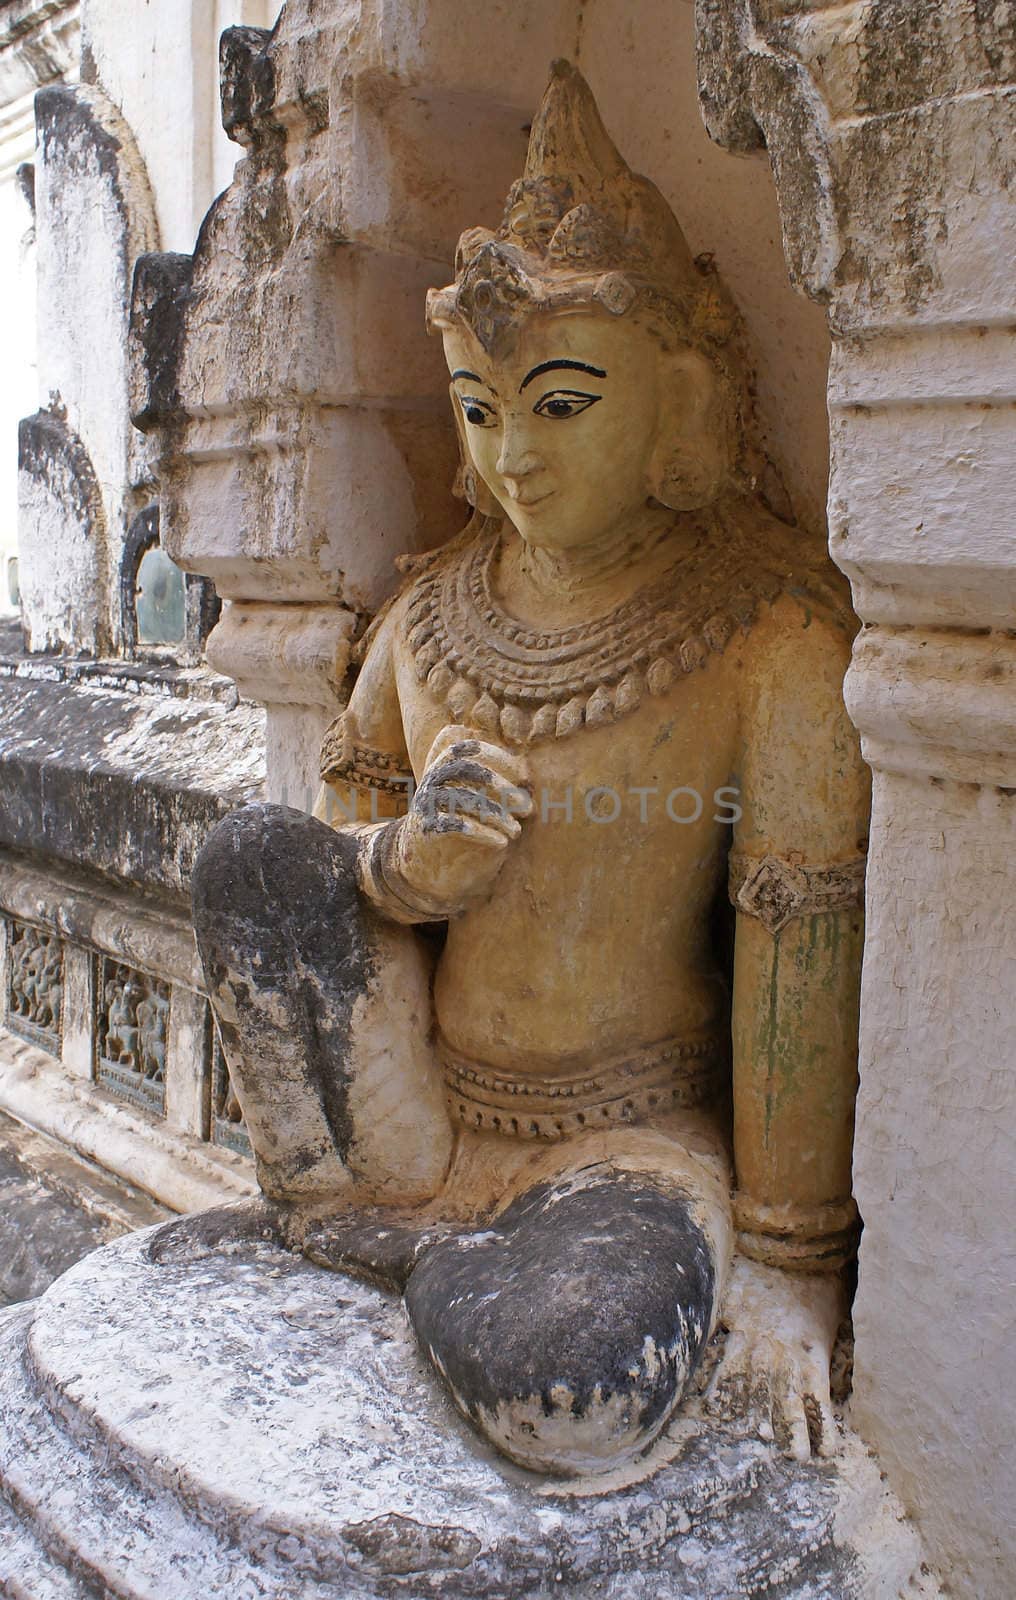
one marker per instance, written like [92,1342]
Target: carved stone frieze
[131,1034]
[35,984]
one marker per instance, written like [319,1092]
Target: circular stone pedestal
[249,1426]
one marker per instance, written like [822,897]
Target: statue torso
[629,723]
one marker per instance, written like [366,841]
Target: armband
[344,760]
[776,891]
[382,883]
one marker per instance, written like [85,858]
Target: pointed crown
[580,227]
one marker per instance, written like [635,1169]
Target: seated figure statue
[548,1020]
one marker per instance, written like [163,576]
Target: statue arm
[796,882]
[367,777]
[366,772]
[424,853]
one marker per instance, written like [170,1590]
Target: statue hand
[782,1328]
[451,844]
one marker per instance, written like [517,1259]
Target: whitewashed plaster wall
[159,64]
[38,44]
[17,296]
[892,131]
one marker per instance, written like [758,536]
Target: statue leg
[324,1014]
[569,1328]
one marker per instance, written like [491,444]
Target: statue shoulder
[807,609]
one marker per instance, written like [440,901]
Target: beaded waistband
[629,1088]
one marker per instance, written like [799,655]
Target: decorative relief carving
[673,1072]
[226,1121]
[131,1031]
[777,891]
[345,761]
[35,985]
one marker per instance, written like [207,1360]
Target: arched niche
[164,612]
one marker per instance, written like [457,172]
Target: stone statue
[554,1030]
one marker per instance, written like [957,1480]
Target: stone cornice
[39,44]
[886,127]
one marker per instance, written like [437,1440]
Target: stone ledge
[54,1209]
[118,1207]
[102,917]
[126,785]
[163,679]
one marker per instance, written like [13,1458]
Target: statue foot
[568,1329]
[775,1369]
[378,1246]
[206,1233]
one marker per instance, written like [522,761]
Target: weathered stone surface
[60,500]
[54,1210]
[248,1425]
[334,1077]
[123,783]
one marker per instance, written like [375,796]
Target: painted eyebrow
[554,366]
[462,373]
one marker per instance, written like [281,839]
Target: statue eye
[561,403]
[478,412]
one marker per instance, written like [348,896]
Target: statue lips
[529,503]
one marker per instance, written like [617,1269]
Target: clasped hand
[452,842]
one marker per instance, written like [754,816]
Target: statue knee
[568,1331]
[267,852]
[271,886]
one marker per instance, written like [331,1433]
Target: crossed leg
[568,1328]
[568,1307]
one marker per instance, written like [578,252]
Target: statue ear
[693,457]
[468,484]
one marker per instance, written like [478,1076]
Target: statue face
[563,430]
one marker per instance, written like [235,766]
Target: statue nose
[515,459]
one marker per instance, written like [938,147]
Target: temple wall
[39,44]
[890,129]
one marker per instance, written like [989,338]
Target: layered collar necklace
[526,684]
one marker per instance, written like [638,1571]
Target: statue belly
[542,1015]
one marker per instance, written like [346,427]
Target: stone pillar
[299,410]
[78,455]
[890,129]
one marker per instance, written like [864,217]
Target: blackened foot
[378,1246]
[567,1330]
[207,1233]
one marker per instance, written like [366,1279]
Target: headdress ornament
[580,227]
